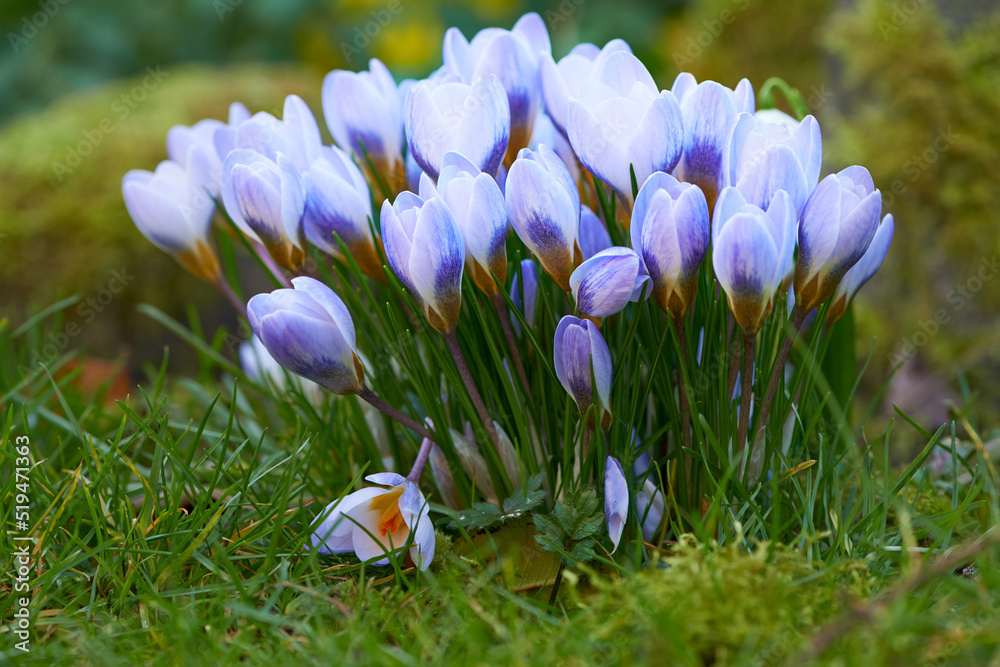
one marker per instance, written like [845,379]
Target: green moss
[61,207]
[918,107]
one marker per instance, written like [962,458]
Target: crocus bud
[425,249]
[594,235]
[267,197]
[443,478]
[838,223]
[309,331]
[261,367]
[670,231]
[475,200]
[762,157]
[751,252]
[365,117]
[543,205]
[338,202]
[171,211]
[604,284]
[860,273]
[513,57]
[375,520]
[530,292]
[225,137]
[710,111]
[445,115]
[621,120]
[650,506]
[562,81]
[194,149]
[582,359]
[615,500]
[296,135]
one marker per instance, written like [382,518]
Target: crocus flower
[621,120]
[838,223]
[511,56]
[203,147]
[605,283]
[543,205]
[338,202]
[545,133]
[762,157]
[527,306]
[670,231]
[649,504]
[425,249]
[730,202]
[365,116]
[615,500]
[169,209]
[262,185]
[594,235]
[445,115]
[710,111]
[751,251]
[261,367]
[309,331]
[562,81]
[377,520]
[582,359]
[267,197]
[865,268]
[478,206]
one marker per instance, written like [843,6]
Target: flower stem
[268,261]
[746,385]
[418,465]
[451,339]
[798,317]
[227,291]
[508,334]
[376,402]
[734,356]
[678,323]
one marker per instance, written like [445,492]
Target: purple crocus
[615,500]
[860,273]
[838,223]
[751,252]
[604,284]
[309,331]
[620,120]
[425,249]
[583,366]
[710,111]
[670,231]
[543,205]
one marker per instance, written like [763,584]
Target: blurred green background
[908,88]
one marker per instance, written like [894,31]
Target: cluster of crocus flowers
[428,178]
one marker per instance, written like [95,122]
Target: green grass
[169,530]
